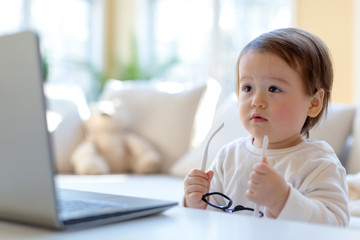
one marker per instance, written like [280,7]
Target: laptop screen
[26,170]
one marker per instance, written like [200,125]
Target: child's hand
[268,188]
[196,184]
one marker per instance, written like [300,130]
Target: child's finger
[197,173]
[265,160]
[210,175]
[197,181]
[261,168]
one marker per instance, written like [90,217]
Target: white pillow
[205,113]
[67,109]
[65,126]
[161,112]
[339,120]
[227,113]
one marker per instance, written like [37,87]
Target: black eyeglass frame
[226,208]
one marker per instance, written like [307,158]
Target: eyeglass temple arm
[240,208]
[203,165]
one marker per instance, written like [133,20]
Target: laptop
[27,185]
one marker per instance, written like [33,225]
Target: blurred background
[86,42]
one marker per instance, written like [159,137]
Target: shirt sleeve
[323,199]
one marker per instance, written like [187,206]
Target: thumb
[210,175]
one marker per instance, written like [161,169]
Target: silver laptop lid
[26,171]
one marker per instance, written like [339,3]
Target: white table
[180,223]
[184,223]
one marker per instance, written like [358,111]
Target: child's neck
[287,143]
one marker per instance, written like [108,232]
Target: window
[191,40]
[207,36]
[66,34]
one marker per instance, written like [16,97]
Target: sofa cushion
[161,112]
[226,113]
[353,165]
[335,128]
[67,109]
[339,120]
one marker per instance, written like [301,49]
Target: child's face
[272,99]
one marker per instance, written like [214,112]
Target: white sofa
[177,119]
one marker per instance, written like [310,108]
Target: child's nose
[258,100]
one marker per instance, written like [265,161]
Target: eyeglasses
[226,208]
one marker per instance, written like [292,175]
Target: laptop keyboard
[76,207]
[79,206]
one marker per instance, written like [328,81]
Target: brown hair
[305,53]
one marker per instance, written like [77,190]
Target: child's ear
[316,103]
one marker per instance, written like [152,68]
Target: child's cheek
[286,115]
[283,114]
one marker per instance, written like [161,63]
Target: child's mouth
[257,118]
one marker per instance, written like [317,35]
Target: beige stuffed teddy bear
[110,148]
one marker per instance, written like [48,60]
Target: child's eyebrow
[279,79]
[243,78]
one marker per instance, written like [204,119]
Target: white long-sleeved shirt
[317,180]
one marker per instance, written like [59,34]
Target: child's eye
[246,88]
[274,89]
